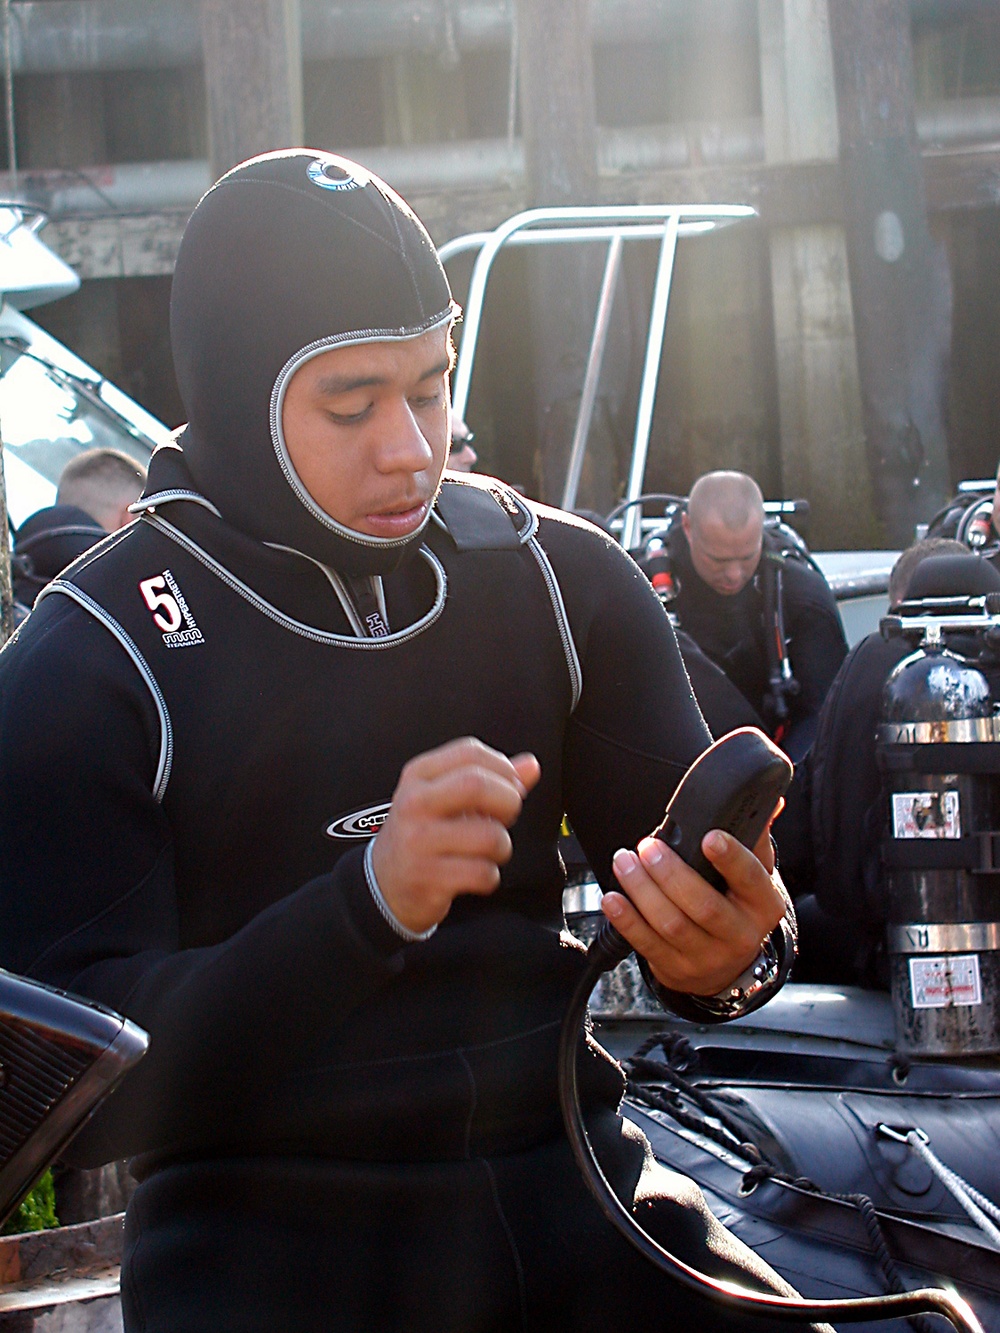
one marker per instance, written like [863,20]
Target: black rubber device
[734,785]
[60,1056]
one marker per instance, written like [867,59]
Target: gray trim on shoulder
[149,502]
[296,626]
[112,626]
[530,525]
[95,552]
[562,619]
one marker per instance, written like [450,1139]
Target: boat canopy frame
[611,226]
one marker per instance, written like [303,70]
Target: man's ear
[686,525]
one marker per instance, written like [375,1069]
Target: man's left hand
[696,939]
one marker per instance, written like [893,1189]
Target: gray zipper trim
[149,502]
[385,911]
[305,354]
[562,620]
[95,552]
[296,626]
[108,621]
[340,588]
[530,527]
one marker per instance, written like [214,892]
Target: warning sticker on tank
[925,814]
[936,983]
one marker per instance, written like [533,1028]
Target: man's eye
[426,400]
[350,418]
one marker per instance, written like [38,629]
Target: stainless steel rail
[606,225]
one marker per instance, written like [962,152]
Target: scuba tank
[936,747]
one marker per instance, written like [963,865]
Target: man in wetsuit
[242,805]
[729,587]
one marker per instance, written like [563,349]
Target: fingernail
[612,906]
[651,851]
[715,842]
[624,862]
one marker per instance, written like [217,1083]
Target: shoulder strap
[482,514]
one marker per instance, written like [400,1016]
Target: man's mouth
[397,520]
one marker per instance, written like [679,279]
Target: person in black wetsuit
[95,490]
[723,572]
[45,543]
[242,805]
[847,805]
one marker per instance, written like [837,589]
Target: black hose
[608,949]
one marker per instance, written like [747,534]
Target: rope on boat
[975,1204]
[731,1136]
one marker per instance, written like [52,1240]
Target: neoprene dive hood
[287,256]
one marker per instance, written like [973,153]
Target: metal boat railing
[611,226]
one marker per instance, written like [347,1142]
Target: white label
[925,814]
[936,983]
[170,611]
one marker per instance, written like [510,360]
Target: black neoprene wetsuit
[178,757]
[731,631]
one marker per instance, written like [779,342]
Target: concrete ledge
[43,1271]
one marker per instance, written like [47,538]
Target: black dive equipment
[59,1058]
[968,516]
[940,762]
[738,781]
[734,785]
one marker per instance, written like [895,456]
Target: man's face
[725,558]
[367,427]
[996,507]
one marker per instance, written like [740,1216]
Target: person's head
[995,516]
[724,525]
[311,328]
[462,457]
[907,562]
[103,482]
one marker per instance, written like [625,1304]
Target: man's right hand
[446,830]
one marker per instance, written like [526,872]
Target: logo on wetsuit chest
[170,611]
[359,823]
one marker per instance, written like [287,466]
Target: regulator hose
[607,950]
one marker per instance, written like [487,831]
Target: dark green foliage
[37,1211]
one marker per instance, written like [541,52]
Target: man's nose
[403,447]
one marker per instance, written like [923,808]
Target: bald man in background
[721,560]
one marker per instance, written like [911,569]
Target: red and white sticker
[926,814]
[938,983]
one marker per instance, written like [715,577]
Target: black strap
[781,684]
[978,852]
[943,757]
[477,518]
